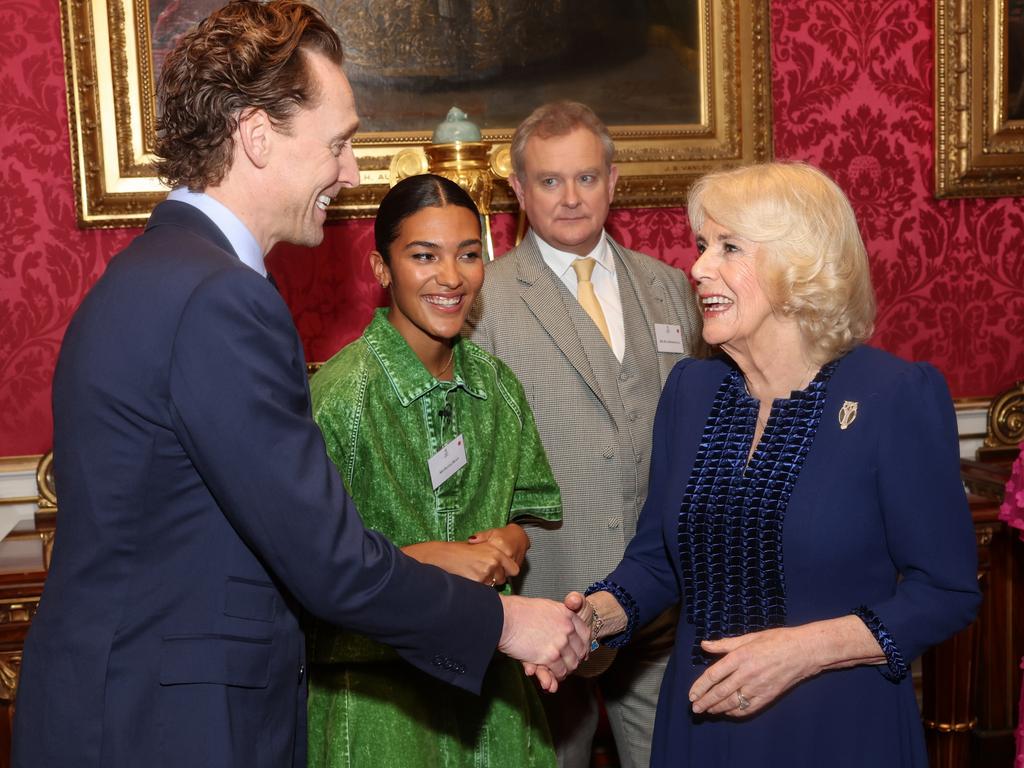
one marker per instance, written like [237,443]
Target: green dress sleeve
[536,493]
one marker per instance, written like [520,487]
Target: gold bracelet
[596,622]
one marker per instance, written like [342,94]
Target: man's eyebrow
[346,134]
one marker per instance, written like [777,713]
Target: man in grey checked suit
[593,378]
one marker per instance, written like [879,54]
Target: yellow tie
[587,298]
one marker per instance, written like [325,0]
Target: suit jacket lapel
[652,296]
[542,294]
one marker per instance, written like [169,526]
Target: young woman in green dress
[436,444]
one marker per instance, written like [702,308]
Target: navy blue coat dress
[198,512]
[824,521]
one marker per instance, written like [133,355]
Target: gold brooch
[847,413]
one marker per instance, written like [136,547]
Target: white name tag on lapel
[669,337]
[446,462]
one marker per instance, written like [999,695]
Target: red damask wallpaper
[852,93]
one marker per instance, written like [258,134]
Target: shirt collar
[241,239]
[561,261]
[410,379]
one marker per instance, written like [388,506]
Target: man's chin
[310,239]
[571,241]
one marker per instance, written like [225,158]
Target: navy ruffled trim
[897,667]
[628,605]
[732,513]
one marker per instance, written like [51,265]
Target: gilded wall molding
[979,146]
[111,105]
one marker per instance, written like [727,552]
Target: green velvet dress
[383,416]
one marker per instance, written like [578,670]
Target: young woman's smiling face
[434,273]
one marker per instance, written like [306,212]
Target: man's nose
[570,195]
[348,169]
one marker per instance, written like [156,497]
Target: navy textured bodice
[730,520]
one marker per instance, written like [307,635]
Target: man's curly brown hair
[247,55]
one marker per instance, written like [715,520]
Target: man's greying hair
[247,55]
[559,118]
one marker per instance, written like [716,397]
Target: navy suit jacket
[198,512]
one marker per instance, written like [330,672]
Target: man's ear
[517,187]
[255,135]
[613,177]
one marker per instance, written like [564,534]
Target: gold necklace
[446,365]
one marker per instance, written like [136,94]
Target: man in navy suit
[199,513]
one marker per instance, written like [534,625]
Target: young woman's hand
[482,562]
[511,539]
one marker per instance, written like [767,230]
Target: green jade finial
[455,127]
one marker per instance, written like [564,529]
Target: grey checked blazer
[596,433]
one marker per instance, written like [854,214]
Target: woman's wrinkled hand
[755,669]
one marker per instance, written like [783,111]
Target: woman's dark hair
[411,195]
[245,55]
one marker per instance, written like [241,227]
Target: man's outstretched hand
[546,636]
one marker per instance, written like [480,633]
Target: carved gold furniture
[972,681]
[20,589]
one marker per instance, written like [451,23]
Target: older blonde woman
[805,501]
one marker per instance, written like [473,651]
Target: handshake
[549,638]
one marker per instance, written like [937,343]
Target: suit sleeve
[927,523]
[240,405]
[479,326]
[645,582]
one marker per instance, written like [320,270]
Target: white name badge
[447,461]
[669,337]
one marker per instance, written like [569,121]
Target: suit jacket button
[624,375]
[609,451]
[613,523]
[632,416]
[302,671]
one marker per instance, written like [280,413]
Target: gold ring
[743,700]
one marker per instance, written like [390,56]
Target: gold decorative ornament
[10,667]
[1005,430]
[847,414]
[473,165]
[970,725]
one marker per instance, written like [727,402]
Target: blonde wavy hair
[814,267]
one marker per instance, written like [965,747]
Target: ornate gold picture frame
[111,104]
[979,130]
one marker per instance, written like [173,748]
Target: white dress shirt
[606,284]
